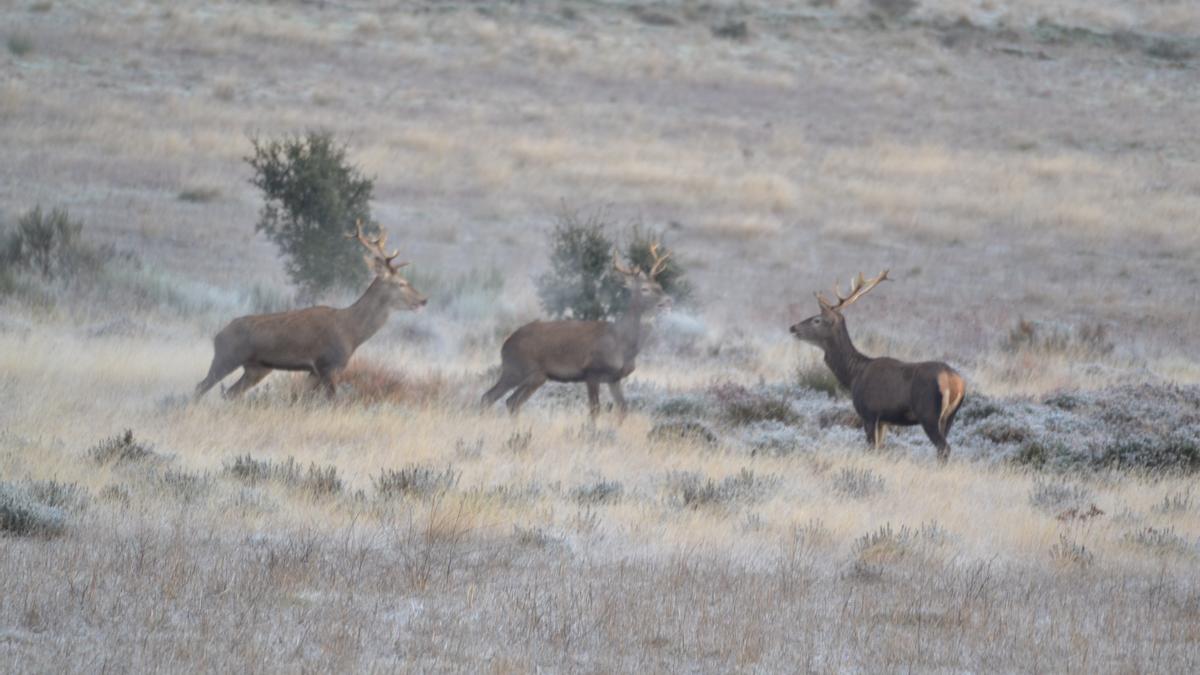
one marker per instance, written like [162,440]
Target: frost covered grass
[392,532]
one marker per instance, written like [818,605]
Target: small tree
[312,199]
[582,283]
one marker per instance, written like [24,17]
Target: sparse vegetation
[858,483]
[23,514]
[121,449]
[312,198]
[414,481]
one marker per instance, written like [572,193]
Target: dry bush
[370,383]
[858,483]
[122,449]
[741,406]
[414,480]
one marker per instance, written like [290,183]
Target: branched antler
[657,265]
[858,288]
[660,262]
[376,247]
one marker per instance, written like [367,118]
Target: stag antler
[376,247]
[660,262]
[858,288]
[657,265]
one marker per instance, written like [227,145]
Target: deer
[592,352]
[885,391]
[318,340]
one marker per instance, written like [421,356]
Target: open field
[1033,161]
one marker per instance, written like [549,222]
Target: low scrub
[122,449]
[858,483]
[692,490]
[414,480]
[740,406]
[316,481]
[24,514]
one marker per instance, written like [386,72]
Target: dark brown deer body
[885,391]
[317,340]
[592,352]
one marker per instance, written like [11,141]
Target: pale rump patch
[953,388]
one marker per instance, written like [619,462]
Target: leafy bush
[414,481]
[23,514]
[1160,541]
[19,44]
[312,198]
[582,283]
[121,449]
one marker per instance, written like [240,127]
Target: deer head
[821,329]
[397,291]
[644,288]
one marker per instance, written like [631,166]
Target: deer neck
[629,325]
[368,314]
[843,358]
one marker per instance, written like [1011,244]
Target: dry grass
[1018,170]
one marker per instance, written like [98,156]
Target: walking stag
[592,352]
[885,391]
[317,340]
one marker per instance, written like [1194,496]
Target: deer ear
[829,313]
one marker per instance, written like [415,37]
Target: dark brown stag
[317,340]
[885,391]
[592,352]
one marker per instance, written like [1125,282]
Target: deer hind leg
[871,426]
[614,388]
[251,375]
[934,432]
[508,380]
[523,392]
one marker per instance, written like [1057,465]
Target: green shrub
[582,283]
[312,199]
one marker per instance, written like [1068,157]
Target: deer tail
[952,388]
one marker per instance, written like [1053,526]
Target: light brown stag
[592,352]
[317,340]
[885,391]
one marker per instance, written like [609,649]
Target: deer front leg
[614,388]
